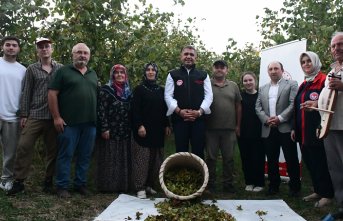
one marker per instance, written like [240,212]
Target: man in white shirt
[11,76]
[188,94]
[274,107]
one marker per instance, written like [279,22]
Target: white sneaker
[249,187]
[141,194]
[6,185]
[150,190]
[257,189]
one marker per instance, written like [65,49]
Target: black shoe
[229,189]
[48,185]
[294,193]
[82,190]
[63,194]
[18,186]
[272,191]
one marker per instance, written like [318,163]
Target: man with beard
[188,95]
[72,103]
[222,125]
[36,119]
[11,76]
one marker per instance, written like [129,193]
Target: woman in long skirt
[113,147]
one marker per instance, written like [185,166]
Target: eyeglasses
[190,54]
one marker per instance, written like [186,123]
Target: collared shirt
[77,94]
[34,98]
[223,108]
[172,103]
[273,93]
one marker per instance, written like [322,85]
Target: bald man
[274,107]
[72,103]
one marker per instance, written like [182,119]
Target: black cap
[220,62]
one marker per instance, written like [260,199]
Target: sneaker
[6,185]
[62,193]
[257,189]
[82,190]
[249,188]
[141,194]
[17,187]
[150,191]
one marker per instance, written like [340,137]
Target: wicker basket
[186,160]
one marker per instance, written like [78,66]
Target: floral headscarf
[315,63]
[122,90]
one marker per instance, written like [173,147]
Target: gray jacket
[284,105]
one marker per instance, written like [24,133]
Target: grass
[38,206]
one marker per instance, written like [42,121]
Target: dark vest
[188,88]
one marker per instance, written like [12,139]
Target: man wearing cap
[72,101]
[36,119]
[222,125]
[11,76]
[274,108]
[188,95]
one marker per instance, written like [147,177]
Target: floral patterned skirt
[113,165]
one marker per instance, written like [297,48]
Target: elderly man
[188,95]
[11,76]
[274,107]
[334,141]
[72,102]
[36,119]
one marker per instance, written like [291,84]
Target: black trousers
[272,147]
[315,160]
[192,132]
[253,158]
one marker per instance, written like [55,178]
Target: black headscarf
[150,84]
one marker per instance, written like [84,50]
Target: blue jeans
[80,139]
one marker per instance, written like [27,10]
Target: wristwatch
[200,113]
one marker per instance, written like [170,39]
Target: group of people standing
[66,106]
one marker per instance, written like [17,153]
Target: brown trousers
[25,150]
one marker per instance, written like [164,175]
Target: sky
[219,20]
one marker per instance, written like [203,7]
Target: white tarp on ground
[126,206]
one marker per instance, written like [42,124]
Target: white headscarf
[316,65]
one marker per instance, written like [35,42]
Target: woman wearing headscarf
[150,125]
[113,149]
[305,125]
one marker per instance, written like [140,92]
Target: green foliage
[315,20]
[241,60]
[188,210]
[115,31]
[183,181]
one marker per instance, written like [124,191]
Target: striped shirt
[34,98]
